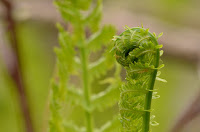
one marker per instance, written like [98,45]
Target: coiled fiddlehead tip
[137,50]
[132,44]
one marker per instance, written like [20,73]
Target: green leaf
[108,80]
[68,12]
[161,66]
[160,79]
[81,4]
[146,48]
[62,66]
[71,127]
[97,68]
[158,73]
[68,63]
[155,95]
[159,46]
[110,126]
[94,18]
[154,34]
[139,68]
[160,35]
[161,52]
[66,53]
[106,98]
[102,65]
[56,102]
[103,37]
[75,97]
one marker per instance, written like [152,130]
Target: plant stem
[150,92]
[86,86]
[148,104]
[15,69]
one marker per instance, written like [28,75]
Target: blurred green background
[37,36]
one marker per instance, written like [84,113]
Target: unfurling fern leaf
[137,50]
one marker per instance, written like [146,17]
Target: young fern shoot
[74,59]
[138,51]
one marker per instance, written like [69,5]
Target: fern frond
[103,37]
[160,79]
[73,59]
[138,67]
[69,12]
[75,96]
[106,98]
[97,68]
[138,51]
[81,4]
[56,120]
[66,53]
[160,35]
[110,126]
[101,66]
[94,18]
[71,127]
[145,48]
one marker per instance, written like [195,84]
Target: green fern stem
[149,94]
[85,78]
[137,50]
[86,89]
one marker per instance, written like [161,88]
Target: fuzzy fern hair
[138,51]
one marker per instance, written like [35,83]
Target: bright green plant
[74,60]
[138,51]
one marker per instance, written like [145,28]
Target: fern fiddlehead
[138,51]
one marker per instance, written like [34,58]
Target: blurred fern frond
[74,59]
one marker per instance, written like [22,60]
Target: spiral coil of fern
[137,50]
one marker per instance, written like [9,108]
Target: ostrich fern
[73,60]
[138,51]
